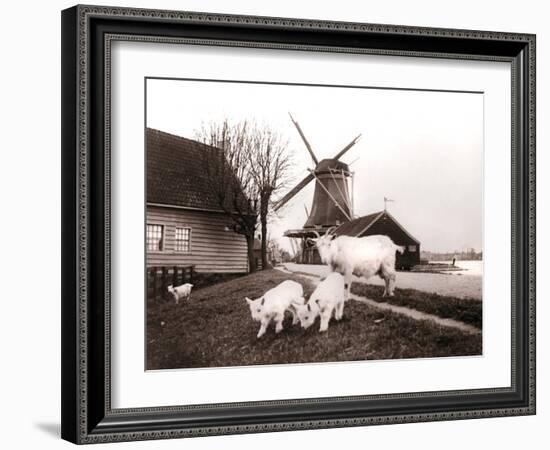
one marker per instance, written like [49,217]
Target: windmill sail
[347,147]
[310,150]
[331,199]
[302,184]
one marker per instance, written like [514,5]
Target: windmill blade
[304,139]
[302,184]
[354,161]
[347,147]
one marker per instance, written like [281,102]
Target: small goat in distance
[179,292]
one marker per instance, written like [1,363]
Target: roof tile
[175,172]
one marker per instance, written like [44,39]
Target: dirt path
[409,312]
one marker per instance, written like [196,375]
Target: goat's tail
[400,248]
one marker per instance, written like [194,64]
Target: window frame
[185,227]
[162,237]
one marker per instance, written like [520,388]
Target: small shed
[384,223]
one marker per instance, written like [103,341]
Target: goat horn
[329,231]
[317,234]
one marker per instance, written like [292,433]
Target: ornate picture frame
[88,33]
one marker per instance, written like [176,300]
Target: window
[183,239]
[154,238]
[412,248]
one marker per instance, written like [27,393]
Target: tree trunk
[250,251]
[265,263]
[263,222]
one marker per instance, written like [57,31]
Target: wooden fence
[159,278]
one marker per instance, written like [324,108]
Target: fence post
[154,282]
[175,277]
[163,283]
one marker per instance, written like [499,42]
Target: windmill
[331,205]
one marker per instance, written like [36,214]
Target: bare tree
[226,167]
[247,165]
[270,163]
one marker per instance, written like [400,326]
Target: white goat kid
[179,292]
[328,297]
[362,257]
[273,304]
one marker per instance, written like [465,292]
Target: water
[470,267]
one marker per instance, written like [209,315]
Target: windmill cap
[326,165]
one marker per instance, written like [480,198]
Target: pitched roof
[176,173]
[357,226]
[360,225]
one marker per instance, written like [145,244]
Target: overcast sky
[422,149]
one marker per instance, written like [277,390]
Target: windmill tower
[331,205]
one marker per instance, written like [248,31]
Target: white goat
[273,304]
[179,292]
[362,257]
[328,297]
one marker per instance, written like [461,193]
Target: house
[383,222]
[273,253]
[185,223]
[258,253]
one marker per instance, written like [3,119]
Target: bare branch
[246,166]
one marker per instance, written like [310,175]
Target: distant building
[185,224]
[384,223]
[273,256]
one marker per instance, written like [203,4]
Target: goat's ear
[263,301]
[248,300]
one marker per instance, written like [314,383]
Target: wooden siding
[213,249]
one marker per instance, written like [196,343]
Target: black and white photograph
[307,223]
[275,225]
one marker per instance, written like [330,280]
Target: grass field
[214,329]
[465,310]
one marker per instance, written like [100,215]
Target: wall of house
[213,248]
